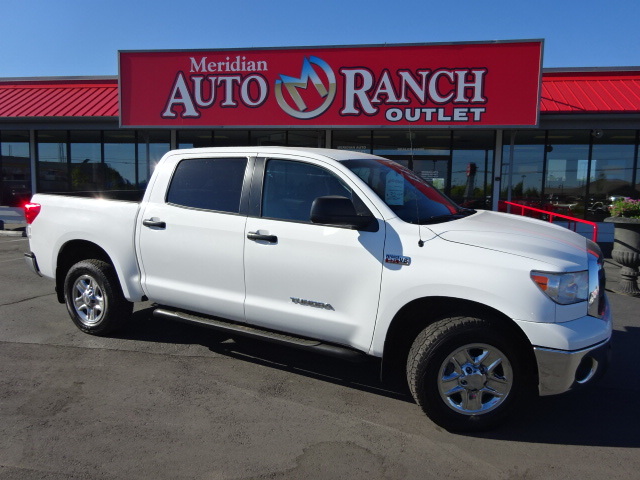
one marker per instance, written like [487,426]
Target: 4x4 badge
[397,260]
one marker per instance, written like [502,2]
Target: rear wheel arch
[94,297]
[414,317]
[73,252]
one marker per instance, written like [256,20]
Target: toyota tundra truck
[343,253]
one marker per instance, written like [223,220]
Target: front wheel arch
[422,312]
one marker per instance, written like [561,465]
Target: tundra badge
[309,303]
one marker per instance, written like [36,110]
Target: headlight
[563,288]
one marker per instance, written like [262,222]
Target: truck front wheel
[466,373]
[94,298]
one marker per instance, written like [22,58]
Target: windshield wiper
[467,211]
[463,212]
[439,218]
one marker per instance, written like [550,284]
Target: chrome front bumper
[560,371]
[563,370]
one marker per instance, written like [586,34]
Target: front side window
[208,184]
[291,187]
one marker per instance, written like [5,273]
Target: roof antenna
[420,241]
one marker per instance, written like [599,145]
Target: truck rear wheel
[466,374]
[94,297]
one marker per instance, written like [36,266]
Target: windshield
[409,196]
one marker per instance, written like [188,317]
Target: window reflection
[53,167]
[231,138]
[567,171]
[268,137]
[15,168]
[612,162]
[98,160]
[472,167]
[195,138]
[119,160]
[573,172]
[577,172]
[354,140]
[152,145]
[427,153]
[87,171]
[306,138]
[524,178]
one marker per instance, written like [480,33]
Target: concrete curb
[13,233]
[12,229]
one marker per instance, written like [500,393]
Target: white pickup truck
[344,253]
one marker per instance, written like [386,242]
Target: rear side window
[208,183]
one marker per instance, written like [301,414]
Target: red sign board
[461,85]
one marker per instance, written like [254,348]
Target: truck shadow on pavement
[606,414]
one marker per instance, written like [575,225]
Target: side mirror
[340,211]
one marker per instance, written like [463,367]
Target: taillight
[31,211]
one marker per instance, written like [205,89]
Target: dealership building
[481,121]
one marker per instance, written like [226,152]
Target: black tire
[94,298]
[467,374]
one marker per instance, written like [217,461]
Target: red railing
[571,220]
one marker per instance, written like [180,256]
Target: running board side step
[300,343]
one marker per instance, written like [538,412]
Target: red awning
[59,98]
[562,92]
[590,92]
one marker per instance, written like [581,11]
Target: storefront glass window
[87,169]
[525,177]
[268,137]
[119,160]
[195,138]
[53,168]
[428,153]
[15,168]
[472,168]
[356,140]
[394,145]
[231,138]
[152,145]
[566,176]
[612,162]
[305,138]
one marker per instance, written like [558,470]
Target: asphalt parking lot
[170,401]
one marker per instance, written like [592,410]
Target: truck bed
[105,219]
[120,195]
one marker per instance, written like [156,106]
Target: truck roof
[333,154]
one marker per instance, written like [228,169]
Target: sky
[82,37]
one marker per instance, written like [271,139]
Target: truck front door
[313,280]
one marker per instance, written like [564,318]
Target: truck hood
[516,235]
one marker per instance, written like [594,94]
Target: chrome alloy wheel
[475,378]
[89,300]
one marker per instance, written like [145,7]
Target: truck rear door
[191,240]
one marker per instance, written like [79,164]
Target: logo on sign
[310,82]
